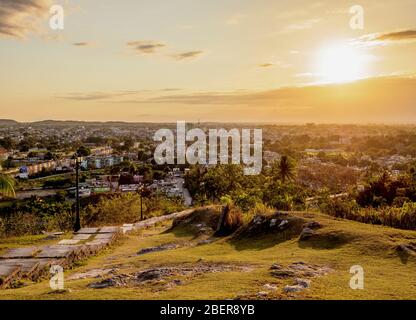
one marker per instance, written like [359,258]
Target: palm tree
[286,169]
[7,185]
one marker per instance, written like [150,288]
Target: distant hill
[8,122]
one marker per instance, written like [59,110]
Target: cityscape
[208,153]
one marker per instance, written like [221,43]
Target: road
[185,192]
[39,193]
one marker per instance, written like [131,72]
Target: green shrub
[403,217]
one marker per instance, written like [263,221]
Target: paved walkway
[34,262]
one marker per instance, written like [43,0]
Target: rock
[205,241]
[167,246]
[295,288]
[94,273]
[298,269]
[262,293]
[273,222]
[306,233]
[282,224]
[258,219]
[300,284]
[106,283]
[313,225]
[303,282]
[270,287]
[283,273]
[309,270]
[275,266]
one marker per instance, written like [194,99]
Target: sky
[209,60]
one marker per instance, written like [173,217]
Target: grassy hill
[265,259]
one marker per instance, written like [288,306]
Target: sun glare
[340,64]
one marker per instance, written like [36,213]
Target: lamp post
[141,201]
[77,224]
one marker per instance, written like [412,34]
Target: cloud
[265,65]
[82,44]
[110,96]
[383,99]
[146,46]
[95,96]
[18,18]
[187,55]
[394,36]
[276,63]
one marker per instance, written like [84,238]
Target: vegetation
[7,184]
[284,169]
[274,187]
[55,214]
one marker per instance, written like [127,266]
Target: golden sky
[209,60]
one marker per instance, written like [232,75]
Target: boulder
[306,233]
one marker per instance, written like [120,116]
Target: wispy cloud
[265,65]
[389,37]
[389,98]
[111,95]
[83,44]
[145,46]
[95,96]
[187,55]
[18,18]
[275,63]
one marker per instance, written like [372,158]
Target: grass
[373,247]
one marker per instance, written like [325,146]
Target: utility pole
[77,225]
[140,189]
[141,206]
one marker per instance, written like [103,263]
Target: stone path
[34,262]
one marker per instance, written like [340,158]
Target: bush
[230,220]
[403,217]
[124,208]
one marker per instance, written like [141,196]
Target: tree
[7,186]
[50,156]
[7,143]
[83,151]
[285,169]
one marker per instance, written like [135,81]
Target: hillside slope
[265,259]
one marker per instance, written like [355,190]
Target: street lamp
[143,192]
[77,224]
[141,188]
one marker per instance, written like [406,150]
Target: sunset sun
[340,63]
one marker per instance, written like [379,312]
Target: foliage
[398,217]
[35,216]
[284,169]
[83,151]
[383,191]
[7,184]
